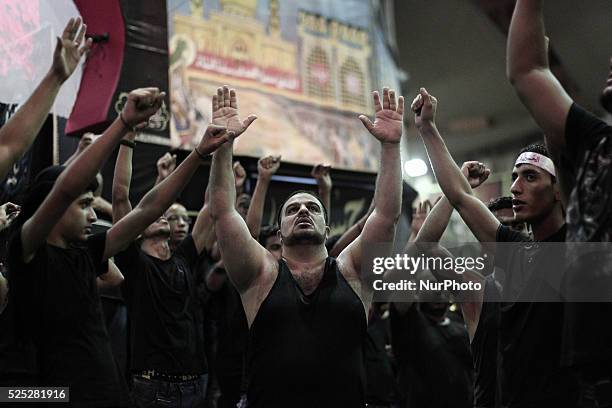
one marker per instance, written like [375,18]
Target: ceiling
[455,50]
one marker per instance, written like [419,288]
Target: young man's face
[76,223]
[534,194]
[303,221]
[179,222]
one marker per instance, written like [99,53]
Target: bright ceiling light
[415,168]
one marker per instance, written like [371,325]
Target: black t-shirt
[58,297]
[166,332]
[434,363]
[587,164]
[484,347]
[232,331]
[17,355]
[530,332]
[588,157]
[380,381]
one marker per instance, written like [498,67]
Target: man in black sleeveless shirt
[306,312]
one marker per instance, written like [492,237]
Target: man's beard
[304,238]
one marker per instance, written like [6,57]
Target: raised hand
[214,137]
[475,173]
[320,173]
[142,103]
[424,107]
[387,126]
[418,216]
[225,111]
[239,175]
[165,165]
[69,49]
[8,213]
[267,166]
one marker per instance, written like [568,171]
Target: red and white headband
[538,160]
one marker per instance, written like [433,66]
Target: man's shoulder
[15,259]
[584,130]
[507,234]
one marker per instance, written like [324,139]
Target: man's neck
[157,247]
[56,239]
[547,226]
[304,255]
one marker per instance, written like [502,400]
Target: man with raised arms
[581,146]
[306,312]
[529,345]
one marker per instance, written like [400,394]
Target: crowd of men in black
[229,313]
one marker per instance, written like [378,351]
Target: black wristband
[127,125]
[202,156]
[128,143]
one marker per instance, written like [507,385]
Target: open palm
[225,112]
[70,48]
[387,126]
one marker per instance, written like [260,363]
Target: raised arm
[453,184]
[380,225]
[239,177]
[122,178]
[86,140]
[242,255]
[320,173]
[165,165]
[529,72]
[19,132]
[203,232]
[112,278]
[418,219]
[266,168]
[8,214]
[351,234]
[141,104]
[435,222]
[156,201]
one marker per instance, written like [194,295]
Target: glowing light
[415,168]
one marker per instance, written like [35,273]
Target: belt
[156,375]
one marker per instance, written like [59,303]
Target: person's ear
[556,190]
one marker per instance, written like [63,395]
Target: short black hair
[40,188]
[500,203]
[535,148]
[312,193]
[267,232]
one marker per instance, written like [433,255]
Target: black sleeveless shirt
[307,351]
